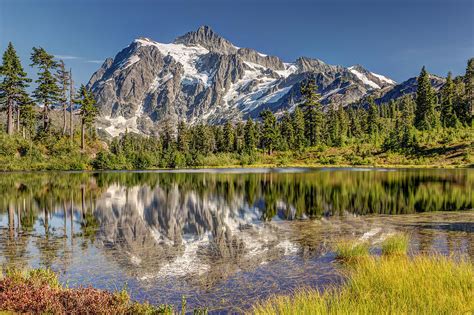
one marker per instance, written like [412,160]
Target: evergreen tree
[467,111]
[228,137]
[425,116]
[298,129]
[88,111]
[269,132]
[167,135]
[47,91]
[250,136]
[184,137]
[448,116]
[343,121]
[355,118]
[13,85]
[63,78]
[287,132]
[313,112]
[332,127]
[372,118]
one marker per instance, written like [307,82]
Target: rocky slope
[204,77]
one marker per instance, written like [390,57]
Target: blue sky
[394,38]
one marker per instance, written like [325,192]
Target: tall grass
[396,285]
[396,244]
[351,250]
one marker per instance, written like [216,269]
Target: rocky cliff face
[204,77]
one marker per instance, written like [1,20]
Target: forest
[53,128]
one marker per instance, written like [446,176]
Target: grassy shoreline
[393,282]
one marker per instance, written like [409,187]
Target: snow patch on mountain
[384,79]
[364,78]
[187,56]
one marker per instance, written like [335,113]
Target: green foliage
[14,84]
[425,115]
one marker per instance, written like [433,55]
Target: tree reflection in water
[222,232]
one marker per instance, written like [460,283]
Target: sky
[391,37]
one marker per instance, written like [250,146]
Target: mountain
[202,77]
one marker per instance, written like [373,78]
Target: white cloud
[95,61]
[66,57]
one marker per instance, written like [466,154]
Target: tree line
[54,88]
[394,126]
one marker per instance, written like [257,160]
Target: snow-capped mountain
[204,77]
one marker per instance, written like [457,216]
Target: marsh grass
[396,244]
[389,284]
[349,251]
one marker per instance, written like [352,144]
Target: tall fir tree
[269,132]
[228,137]
[372,118]
[313,112]
[47,92]
[88,112]
[468,108]
[13,85]
[63,79]
[448,95]
[184,137]
[298,128]
[250,136]
[287,132]
[425,116]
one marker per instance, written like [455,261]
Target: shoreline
[255,167]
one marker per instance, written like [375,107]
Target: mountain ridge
[203,77]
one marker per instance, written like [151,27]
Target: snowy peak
[207,38]
[202,77]
[372,80]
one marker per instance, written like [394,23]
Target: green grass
[388,284]
[396,244]
[349,251]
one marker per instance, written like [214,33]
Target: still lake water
[223,238]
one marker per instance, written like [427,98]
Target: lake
[224,238]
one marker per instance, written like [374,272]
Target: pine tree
[269,132]
[425,116]
[184,138]
[287,131]
[332,127]
[448,116]
[313,112]
[228,137]
[167,135]
[468,108]
[88,111]
[47,91]
[343,121]
[355,129]
[13,85]
[372,118]
[250,136]
[63,78]
[298,128]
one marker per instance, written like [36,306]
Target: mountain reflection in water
[223,239]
